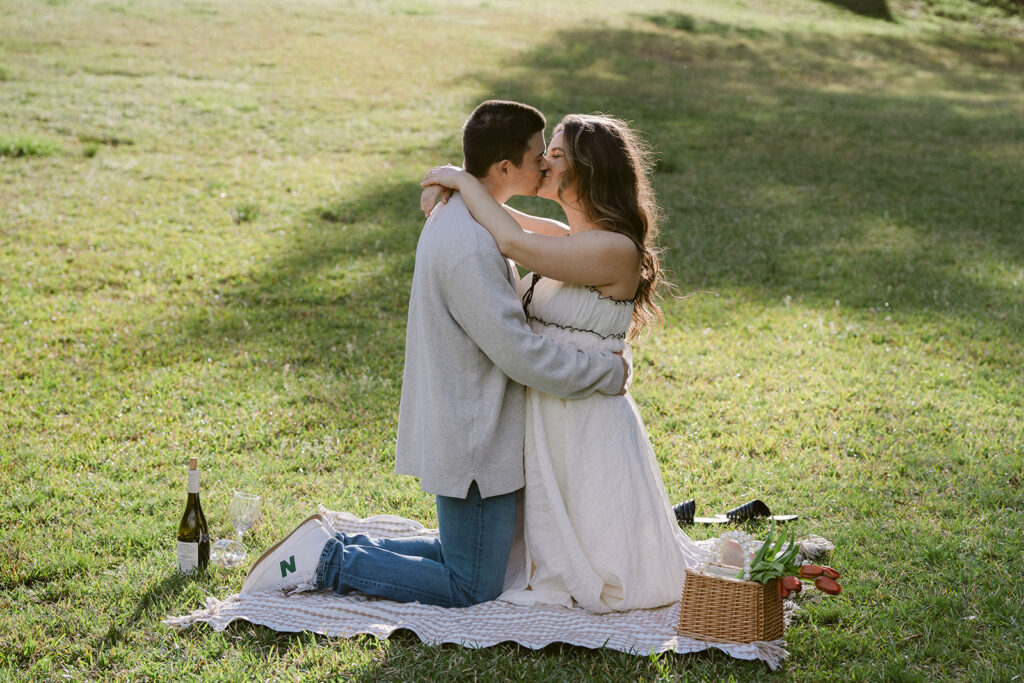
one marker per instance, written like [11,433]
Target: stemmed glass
[244,511]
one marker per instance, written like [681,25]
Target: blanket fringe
[212,614]
[771,652]
[814,549]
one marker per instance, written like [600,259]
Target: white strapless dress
[598,530]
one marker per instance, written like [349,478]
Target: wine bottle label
[188,557]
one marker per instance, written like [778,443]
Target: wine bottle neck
[193,481]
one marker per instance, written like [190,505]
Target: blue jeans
[464,567]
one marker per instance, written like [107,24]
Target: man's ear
[503,166]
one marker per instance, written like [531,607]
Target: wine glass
[244,510]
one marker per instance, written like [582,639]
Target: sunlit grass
[214,260]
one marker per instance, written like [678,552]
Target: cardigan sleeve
[483,303]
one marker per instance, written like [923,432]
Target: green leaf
[779,543]
[791,550]
[759,556]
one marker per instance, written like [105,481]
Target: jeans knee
[487,594]
[482,591]
[468,599]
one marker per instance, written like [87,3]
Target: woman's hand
[626,354]
[446,176]
[430,195]
[439,184]
[484,207]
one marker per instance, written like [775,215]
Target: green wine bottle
[193,534]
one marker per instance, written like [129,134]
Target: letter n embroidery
[288,566]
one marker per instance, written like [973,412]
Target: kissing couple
[515,410]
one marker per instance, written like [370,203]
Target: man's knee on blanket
[466,593]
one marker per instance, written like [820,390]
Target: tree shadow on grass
[789,169]
[309,341]
[333,301]
[1009,7]
[155,602]
[788,166]
[785,165]
[343,279]
[875,9]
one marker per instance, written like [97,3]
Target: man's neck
[496,189]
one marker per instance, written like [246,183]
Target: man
[469,352]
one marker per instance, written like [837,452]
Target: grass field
[207,229]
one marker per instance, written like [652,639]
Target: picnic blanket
[639,632]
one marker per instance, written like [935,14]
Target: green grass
[15,146]
[843,195]
[246,213]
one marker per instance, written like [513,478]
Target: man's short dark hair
[497,130]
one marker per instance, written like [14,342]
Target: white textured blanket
[639,632]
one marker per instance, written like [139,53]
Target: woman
[598,525]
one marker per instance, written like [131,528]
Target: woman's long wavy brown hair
[609,167]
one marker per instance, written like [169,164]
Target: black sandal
[756,509]
[684,515]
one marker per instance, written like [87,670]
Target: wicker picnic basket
[724,610]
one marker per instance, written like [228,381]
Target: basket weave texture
[724,611]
